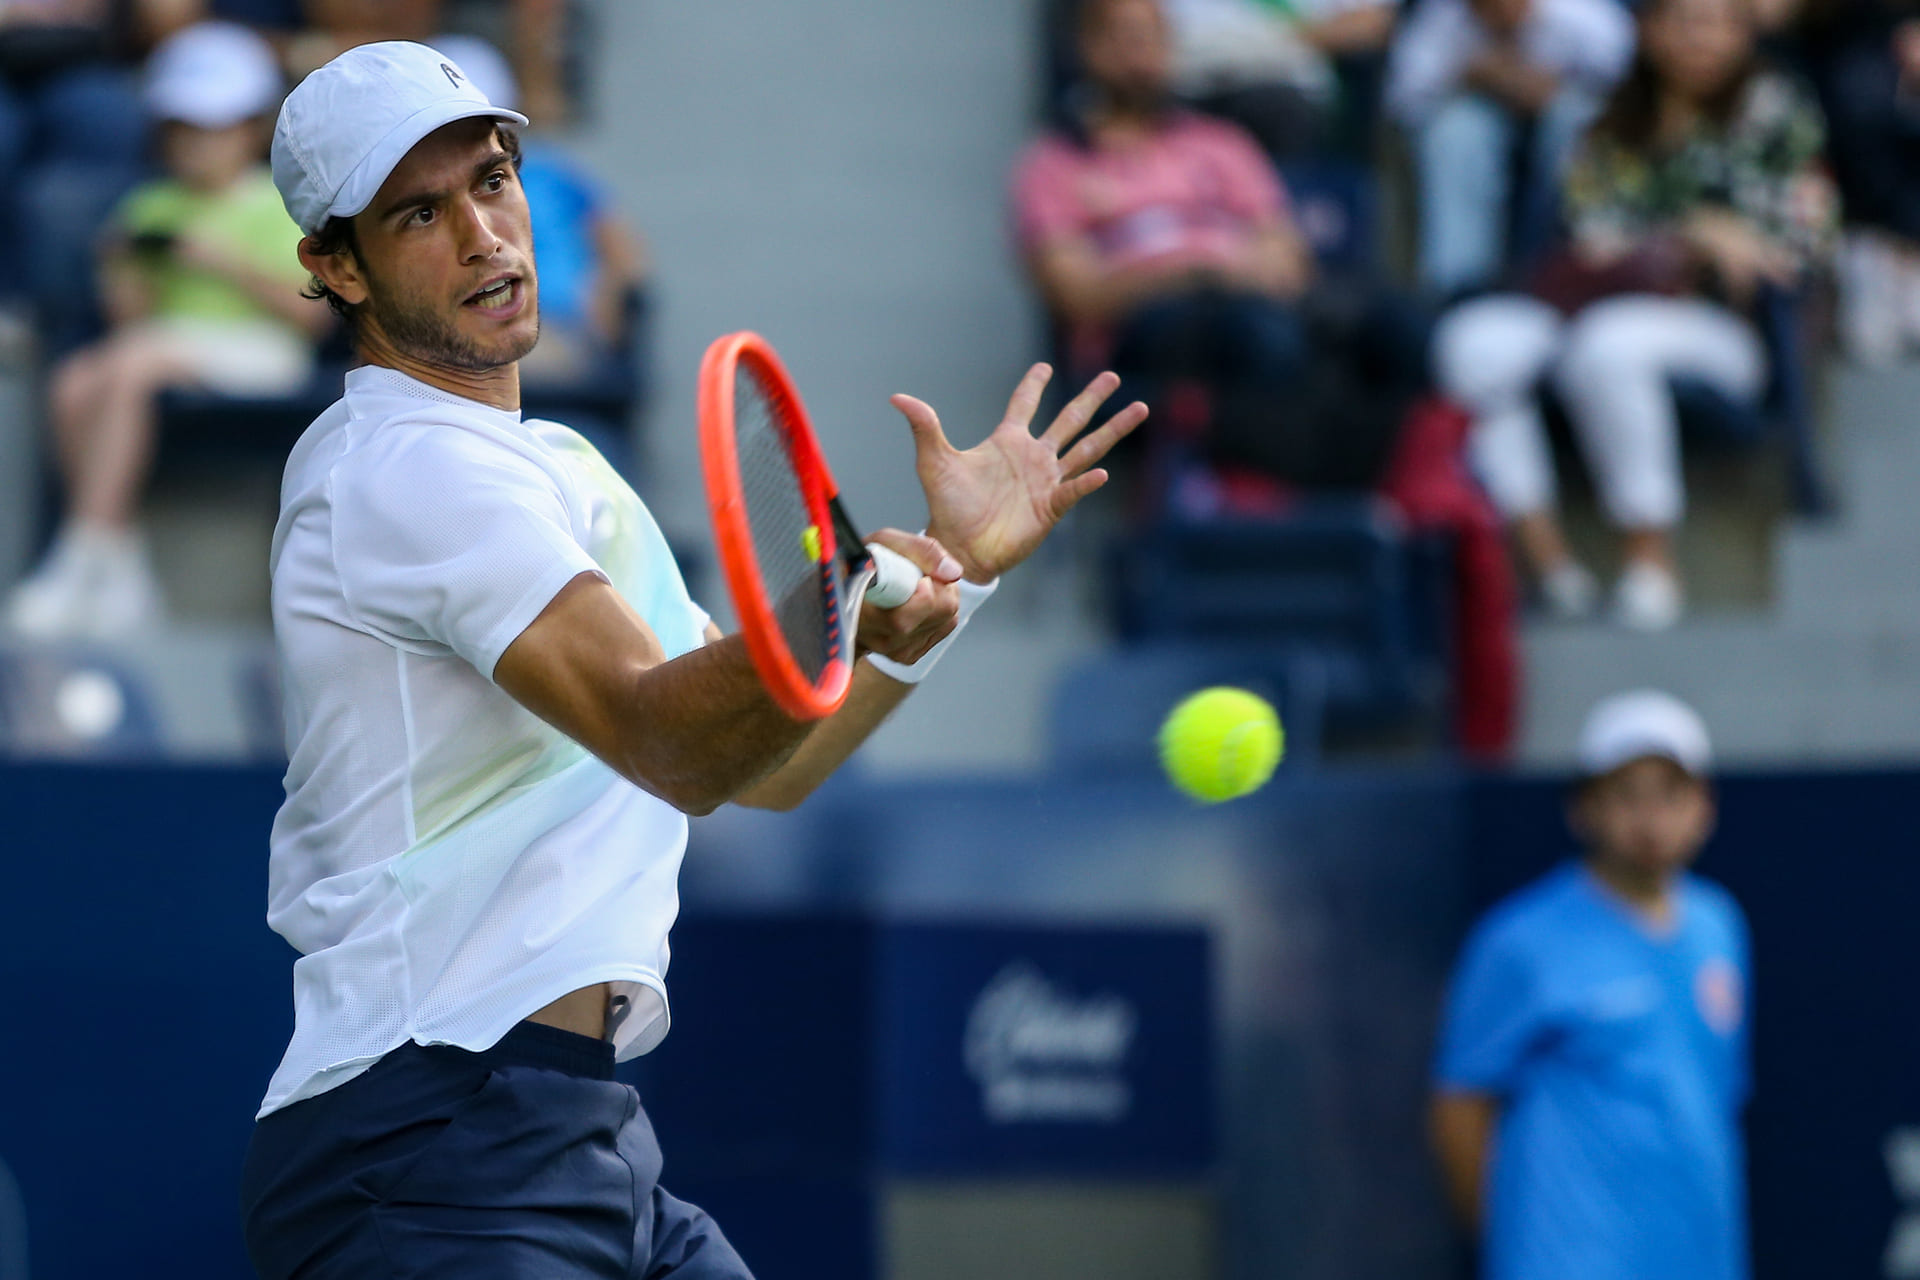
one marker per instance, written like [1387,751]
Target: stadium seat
[1342,603]
[1786,413]
[198,424]
[1784,418]
[1106,712]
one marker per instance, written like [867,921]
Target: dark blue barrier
[818,1056]
[144,1004]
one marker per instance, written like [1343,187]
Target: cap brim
[1616,761]
[358,191]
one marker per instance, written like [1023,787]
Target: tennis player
[501,706]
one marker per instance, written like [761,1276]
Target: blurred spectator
[1272,66]
[203,289]
[536,31]
[1593,1058]
[72,141]
[590,264]
[1866,64]
[1468,80]
[1701,185]
[1163,243]
[334,26]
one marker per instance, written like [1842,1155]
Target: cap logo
[453,75]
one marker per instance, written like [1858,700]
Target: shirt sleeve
[1596,38]
[449,539]
[1427,58]
[1492,1017]
[148,207]
[1046,206]
[1252,187]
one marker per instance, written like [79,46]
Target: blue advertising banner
[1058,1051]
[874,1047]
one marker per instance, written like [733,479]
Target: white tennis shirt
[446,863]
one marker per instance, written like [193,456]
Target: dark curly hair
[338,236]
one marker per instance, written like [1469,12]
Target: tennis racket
[795,566]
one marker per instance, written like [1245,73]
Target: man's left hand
[992,505]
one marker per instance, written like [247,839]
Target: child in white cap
[1593,1058]
[202,289]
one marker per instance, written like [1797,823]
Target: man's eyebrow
[421,199]
[413,200]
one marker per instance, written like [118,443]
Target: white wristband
[971,598]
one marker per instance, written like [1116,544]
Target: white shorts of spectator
[234,357]
[1612,366]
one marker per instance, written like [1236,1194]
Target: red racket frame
[786,683]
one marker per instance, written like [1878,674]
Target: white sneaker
[1647,598]
[1874,316]
[1569,592]
[50,602]
[123,596]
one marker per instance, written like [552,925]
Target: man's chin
[504,348]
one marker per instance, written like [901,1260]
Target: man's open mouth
[497,296]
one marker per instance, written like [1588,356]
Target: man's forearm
[1505,75]
[870,700]
[1461,1129]
[701,730]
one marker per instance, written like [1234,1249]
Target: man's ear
[339,271]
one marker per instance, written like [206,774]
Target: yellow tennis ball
[1221,743]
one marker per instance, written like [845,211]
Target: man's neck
[1115,121]
[498,387]
[1649,893]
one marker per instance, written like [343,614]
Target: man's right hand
[907,631]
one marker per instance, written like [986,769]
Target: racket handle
[894,577]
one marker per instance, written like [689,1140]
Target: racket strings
[784,535]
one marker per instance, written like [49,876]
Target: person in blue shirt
[1593,1060]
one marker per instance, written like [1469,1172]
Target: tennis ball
[1221,743]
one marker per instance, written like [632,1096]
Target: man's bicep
[575,665]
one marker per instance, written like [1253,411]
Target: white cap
[1633,726]
[485,65]
[213,75]
[345,127]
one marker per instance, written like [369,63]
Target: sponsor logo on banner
[1040,1053]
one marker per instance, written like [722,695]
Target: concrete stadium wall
[831,174]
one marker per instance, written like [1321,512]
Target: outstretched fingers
[1080,410]
[1096,445]
[1026,397]
[924,421]
[1067,495]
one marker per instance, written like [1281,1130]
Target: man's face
[1503,17]
[446,254]
[1128,53]
[1650,815]
[209,159]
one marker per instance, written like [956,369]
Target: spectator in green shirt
[201,286]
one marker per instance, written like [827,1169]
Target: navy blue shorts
[527,1160]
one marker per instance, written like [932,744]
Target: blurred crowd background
[1503,354]
[1501,351]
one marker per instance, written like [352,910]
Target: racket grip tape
[894,577]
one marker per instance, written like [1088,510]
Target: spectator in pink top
[1144,216]
[1163,243]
